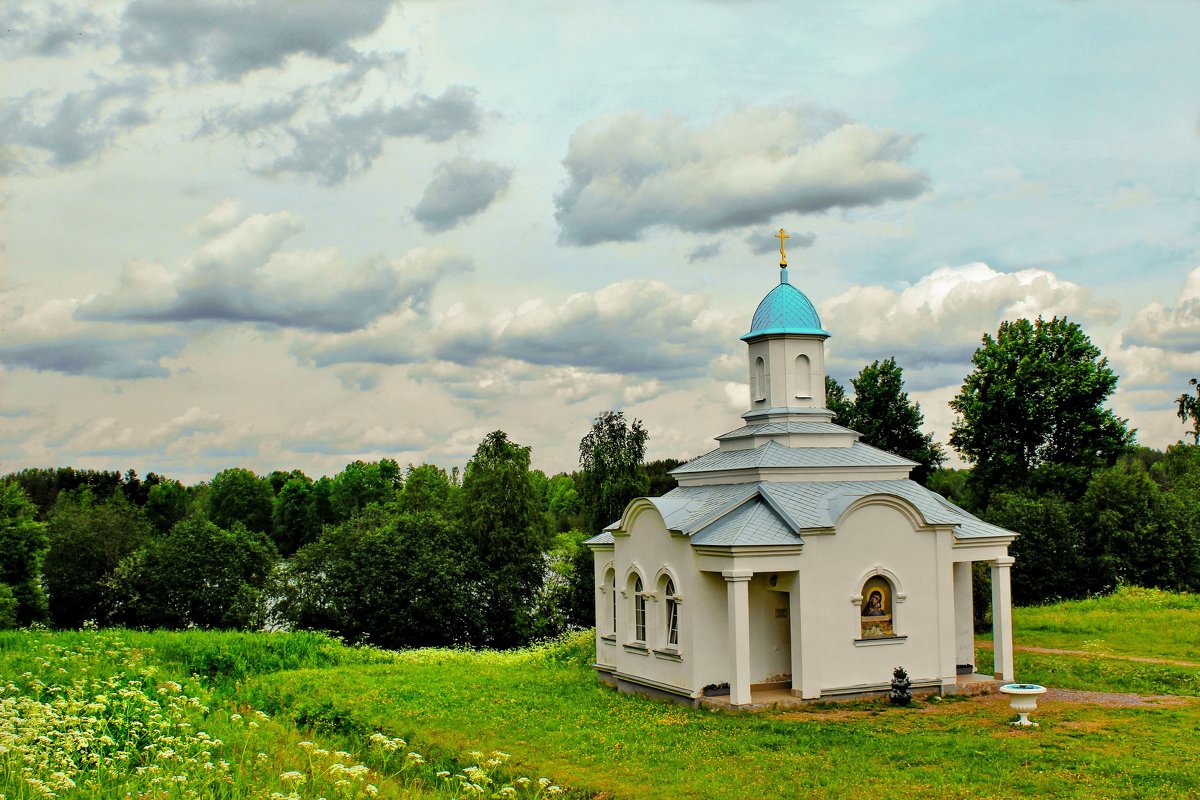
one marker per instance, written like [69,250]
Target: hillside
[245,715]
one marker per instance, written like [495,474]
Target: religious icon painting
[876,614]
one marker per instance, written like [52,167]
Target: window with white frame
[672,611]
[639,610]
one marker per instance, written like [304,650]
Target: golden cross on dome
[781,236]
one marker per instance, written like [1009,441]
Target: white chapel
[794,557]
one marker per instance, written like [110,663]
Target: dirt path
[1057,652]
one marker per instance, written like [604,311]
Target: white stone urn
[1022,697]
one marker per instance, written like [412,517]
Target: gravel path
[1114,699]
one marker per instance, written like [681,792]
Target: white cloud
[73,127]
[212,38]
[48,338]
[51,29]
[459,190]
[630,172]
[630,327]
[243,275]
[223,216]
[1175,328]
[935,324]
[336,128]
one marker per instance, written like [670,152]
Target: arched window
[672,614]
[612,590]
[803,377]
[759,389]
[876,614]
[639,611]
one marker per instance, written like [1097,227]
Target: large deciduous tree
[502,516]
[238,495]
[1032,411]
[22,545]
[197,575]
[836,401]
[167,503]
[394,581]
[88,539]
[428,489]
[294,520]
[610,468]
[882,413]
[362,483]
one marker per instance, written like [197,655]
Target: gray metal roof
[779,427]
[754,523]
[777,513]
[773,454]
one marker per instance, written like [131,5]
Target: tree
[278,478]
[197,575]
[658,473]
[555,608]
[43,485]
[392,581]
[238,495]
[610,468]
[1137,536]
[1051,553]
[23,542]
[362,483]
[294,520]
[835,401]
[952,484]
[88,539]
[562,503]
[882,413]
[1032,410]
[8,608]
[1188,407]
[167,503]
[427,489]
[502,516]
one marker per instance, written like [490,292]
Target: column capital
[1003,562]
[736,575]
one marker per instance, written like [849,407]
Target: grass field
[1131,621]
[106,714]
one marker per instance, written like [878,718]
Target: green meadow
[115,713]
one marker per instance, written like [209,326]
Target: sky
[295,233]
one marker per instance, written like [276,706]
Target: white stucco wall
[833,568]
[653,553]
[779,354]
[816,586]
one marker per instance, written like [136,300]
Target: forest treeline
[417,555]
[394,556]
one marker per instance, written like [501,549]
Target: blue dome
[785,309]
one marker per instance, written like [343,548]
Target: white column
[796,629]
[1002,646]
[737,585]
[964,614]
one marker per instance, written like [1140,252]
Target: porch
[778,697]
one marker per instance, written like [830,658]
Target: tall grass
[547,706]
[1131,621]
[113,714]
